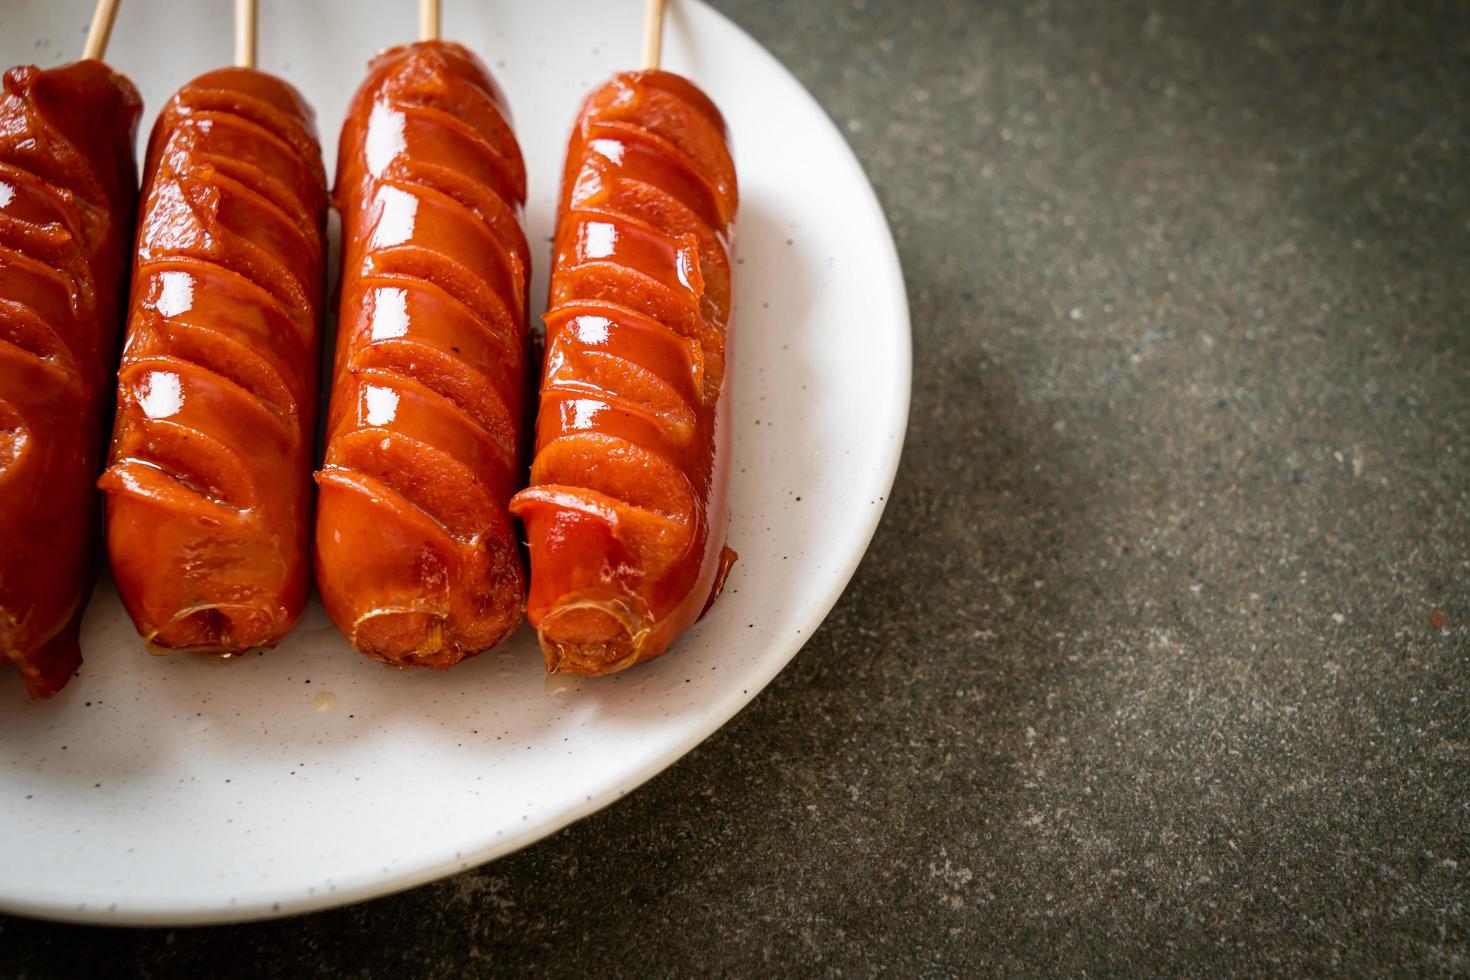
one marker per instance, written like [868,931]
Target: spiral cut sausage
[417,558]
[626,512]
[209,489]
[67,197]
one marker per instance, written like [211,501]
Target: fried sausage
[67,199]
[416,557]
[209,488]
[627,508]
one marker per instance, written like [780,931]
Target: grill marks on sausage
[618,510]
[424,432]
[67,193]
[48,290]
[217,390]
[458,277]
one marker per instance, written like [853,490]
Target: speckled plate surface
[187,790]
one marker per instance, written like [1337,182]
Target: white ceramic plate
[188,790]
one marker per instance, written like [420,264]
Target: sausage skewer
[417,559]
[245,33]
[67,200]
[626,510]
[209,487]
[653,33]
[104,15]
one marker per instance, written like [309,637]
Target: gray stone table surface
[1158,661]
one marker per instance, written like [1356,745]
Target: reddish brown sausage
[67,197]
[626,512]
[209,490]
[416,556]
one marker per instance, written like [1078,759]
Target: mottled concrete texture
[1159,659]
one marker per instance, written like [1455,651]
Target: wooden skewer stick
[428,20]
[653,32]
[97,35]
[244,33]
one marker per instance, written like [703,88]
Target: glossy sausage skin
[67,198]
[626,512]
[417,559]
[209,488]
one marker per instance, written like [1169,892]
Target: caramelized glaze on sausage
[417,558]
[67,197]
[209,488]
[626,511]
